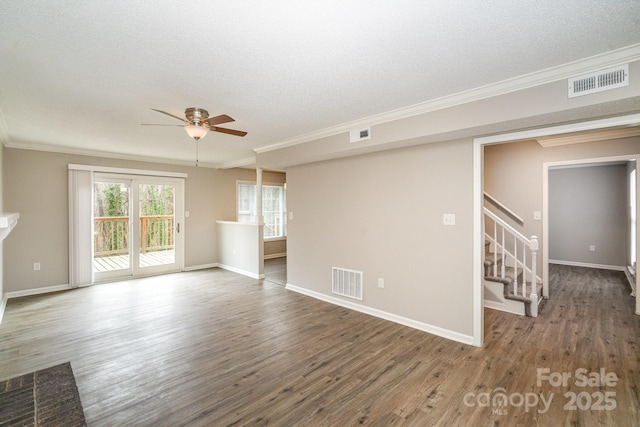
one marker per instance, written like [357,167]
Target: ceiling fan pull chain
[197,145]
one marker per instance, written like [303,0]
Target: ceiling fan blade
[171,115]
[229,131]
[218,120]
[157,124]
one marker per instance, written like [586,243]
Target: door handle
[178,227]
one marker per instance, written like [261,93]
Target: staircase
[510,262]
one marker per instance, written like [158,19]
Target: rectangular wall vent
[347,283]
[360,135]
[598,81]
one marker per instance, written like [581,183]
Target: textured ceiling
[81,76]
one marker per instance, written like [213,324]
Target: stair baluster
[517,259]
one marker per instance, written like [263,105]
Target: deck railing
[111,234]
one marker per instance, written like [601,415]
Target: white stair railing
[516,252]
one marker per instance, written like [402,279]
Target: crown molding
[4,131]
[594,63]
[247,162]
[104,154]
[590,136]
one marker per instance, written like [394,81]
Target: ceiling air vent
[360,135]
[610,78]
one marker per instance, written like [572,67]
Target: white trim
[477,299]
[201,267]
[3,305]
[127,171]
[545,200]
[425,327]
[272,256]
[241,271]
[629,120]
[37,291]
[609,59]
[495,305]
[587,264]
[247,162]
[631,279]
[104,154]
[4,132]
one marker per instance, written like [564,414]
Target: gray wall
[588,206]
[35,184]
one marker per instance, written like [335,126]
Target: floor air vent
[610,78]
[347,283]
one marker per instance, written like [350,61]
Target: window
[273,207]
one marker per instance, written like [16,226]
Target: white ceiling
[82,76]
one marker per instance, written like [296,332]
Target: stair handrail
[528,269]
[504,209]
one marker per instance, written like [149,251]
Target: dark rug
[48,397]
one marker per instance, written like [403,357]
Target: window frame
[252,207]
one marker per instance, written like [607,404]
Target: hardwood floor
[212,348]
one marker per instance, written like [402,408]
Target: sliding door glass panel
[111,224]
[157,225]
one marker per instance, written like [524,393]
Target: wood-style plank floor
[212,348]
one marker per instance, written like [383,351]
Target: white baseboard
[240,271]
[3,305]
[37,291]
[425,327]
[201,267]
[588,265]
[631,280]
[280,255]
[495,305]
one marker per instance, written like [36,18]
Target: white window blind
[80,228]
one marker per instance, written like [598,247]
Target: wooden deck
[120,262]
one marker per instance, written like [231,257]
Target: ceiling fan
[197,123]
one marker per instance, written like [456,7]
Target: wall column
[259,217]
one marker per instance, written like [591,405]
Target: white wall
[240,248]
[588,207]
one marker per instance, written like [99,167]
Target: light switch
[537,215]
[449,219]
[291,216]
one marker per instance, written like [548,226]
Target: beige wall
[382,214]
[513,172]
[35,184]
[275,248]
[340,220]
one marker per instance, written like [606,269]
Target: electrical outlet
[380,282]
[36,266]
[592,248]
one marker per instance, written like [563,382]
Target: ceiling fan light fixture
[196,131]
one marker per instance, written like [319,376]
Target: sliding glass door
[137,226]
